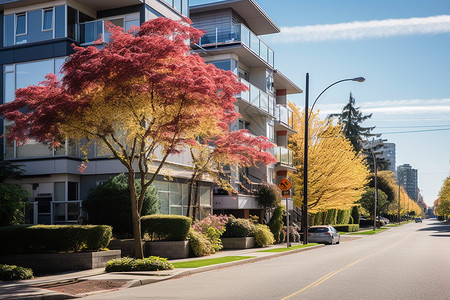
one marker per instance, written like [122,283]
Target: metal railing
[61,212]
[284,115]
[258,98]
[238,33]
[283,155]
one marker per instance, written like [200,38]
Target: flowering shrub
[199,244]
[294,236]
[211,228]
[263,235]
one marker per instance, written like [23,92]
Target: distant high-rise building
[389,155]
[407,176]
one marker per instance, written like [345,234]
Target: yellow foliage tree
[337,175]
[442,208]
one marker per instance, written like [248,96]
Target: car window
[318,230]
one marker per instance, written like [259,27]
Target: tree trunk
[196,204]
[135,217]
[191,184]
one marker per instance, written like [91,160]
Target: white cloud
[363,29]
[393,107]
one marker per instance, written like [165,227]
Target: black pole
[376,190]
[305,166]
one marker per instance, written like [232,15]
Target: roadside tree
[337,174]
[143,96]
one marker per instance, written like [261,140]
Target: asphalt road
[407,262]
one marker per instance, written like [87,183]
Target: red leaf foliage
[144,84]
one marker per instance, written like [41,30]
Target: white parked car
[323,234]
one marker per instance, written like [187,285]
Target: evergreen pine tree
[351,118]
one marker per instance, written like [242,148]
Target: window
[22,75]
[21,24]
[47,19]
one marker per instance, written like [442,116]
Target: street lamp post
[305,155]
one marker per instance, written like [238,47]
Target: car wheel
[339,241]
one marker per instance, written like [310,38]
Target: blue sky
[401,47]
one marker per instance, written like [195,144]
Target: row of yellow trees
[442,204]
[338,176]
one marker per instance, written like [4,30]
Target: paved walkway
[32,289]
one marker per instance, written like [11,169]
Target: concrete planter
[126,246]
[238,243]
[167,249]
[61,262]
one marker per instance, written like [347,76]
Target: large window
[227,65]
[20,76]
[181,6]
[173,197]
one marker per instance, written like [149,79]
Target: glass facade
[181,6]
[22,75]
[227,65]
[35,25]
[173,197]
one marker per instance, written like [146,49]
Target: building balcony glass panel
[238,33]
[283,155]
[258,98]
[91,31]
[284,115]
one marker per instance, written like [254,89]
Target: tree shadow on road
[437,227]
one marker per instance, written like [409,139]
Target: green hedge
[347,227]
[8,272]
[53,238]
[127,264]
[166,227]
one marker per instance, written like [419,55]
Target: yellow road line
[333,273]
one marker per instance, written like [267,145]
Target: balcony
[235,34]
[284,116]
[284,156]
[257,98]
[89,32]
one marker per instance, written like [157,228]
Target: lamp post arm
[348,79]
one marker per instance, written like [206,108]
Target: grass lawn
[369,232]
[289,249]
[208,262]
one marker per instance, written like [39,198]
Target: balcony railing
[283,155]
[284,115]
[238,33]
[89,32]
[258,98]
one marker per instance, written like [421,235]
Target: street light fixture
[305,156]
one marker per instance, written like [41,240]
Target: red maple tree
[144,96]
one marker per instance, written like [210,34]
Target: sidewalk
[32,289]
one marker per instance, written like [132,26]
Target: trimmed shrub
[166,227]
[127,264]
[239,228]
[11,272]
[355,214]
[343,216]
[110,204]
[331,216]
[263,235]
[54,238]
[199,244]
[268,195]
[276,223]
[347,227]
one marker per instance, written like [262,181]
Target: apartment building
[36,37]
[232,42]
[407,177]
[388,155]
